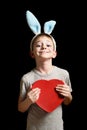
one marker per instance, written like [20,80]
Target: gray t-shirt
[39,119]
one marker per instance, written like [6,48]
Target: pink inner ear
[49,98]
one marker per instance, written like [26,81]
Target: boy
[43,50]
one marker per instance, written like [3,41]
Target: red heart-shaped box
[49,98]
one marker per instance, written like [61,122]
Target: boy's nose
[43,46]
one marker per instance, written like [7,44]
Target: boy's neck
[45,67]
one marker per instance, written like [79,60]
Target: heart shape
[49,98]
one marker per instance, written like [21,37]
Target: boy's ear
[54,54]
[31,54]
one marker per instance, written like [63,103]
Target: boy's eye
[48,45]
[38,45]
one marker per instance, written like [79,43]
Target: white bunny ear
[49,26]
[33,23]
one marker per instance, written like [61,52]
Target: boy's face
[43,48]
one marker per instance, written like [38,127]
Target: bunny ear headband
[35,26]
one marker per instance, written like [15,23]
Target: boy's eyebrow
[36,41]
[41,41]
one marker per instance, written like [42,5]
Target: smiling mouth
[44,52]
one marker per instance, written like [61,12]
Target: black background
[16,60]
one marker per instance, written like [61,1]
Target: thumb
[31,86]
